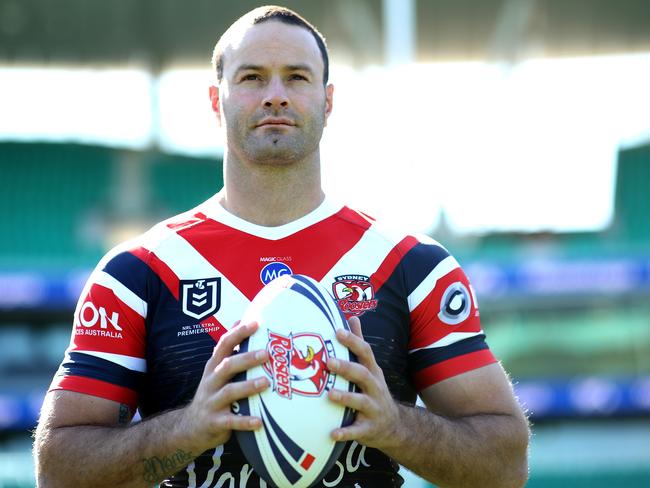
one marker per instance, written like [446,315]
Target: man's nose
[276,94]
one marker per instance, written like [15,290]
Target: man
[149,318]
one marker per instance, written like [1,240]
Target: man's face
[272,102]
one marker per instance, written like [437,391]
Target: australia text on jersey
[90,316]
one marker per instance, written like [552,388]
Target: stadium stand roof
[159,33]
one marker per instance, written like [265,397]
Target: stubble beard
[282,146]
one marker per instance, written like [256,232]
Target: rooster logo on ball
[298,364]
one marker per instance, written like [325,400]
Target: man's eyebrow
[290,67]
[248,67]
[299,67]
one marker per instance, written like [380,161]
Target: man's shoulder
[391,233]
[146,243]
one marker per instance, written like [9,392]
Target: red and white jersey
[153,309]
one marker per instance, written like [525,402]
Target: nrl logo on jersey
[200,298]
[354,294]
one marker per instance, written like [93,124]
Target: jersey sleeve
[446,338]
[106,356]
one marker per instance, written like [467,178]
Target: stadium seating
[632,205]
[57,200]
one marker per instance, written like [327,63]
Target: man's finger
[360,348]
[356,373]
[355,401]
[231,421]
[351,432]
[238,390]
[228,341]
[355,326]
[237,363]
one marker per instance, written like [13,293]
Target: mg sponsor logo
[273,270]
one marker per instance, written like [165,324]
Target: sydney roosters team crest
[354,294]
[298,364]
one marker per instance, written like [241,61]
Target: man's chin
[277,161]
[276,154]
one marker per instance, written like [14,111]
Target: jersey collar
[214,210]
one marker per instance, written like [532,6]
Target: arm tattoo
[156,468]
[123,418]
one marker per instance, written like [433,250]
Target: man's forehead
[273,42]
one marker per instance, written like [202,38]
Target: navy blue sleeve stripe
[427,357]
[80,364]
[131,271]
[419,262]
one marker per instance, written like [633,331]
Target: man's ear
[329,101]
[214,99]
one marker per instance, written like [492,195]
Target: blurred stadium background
[516,132]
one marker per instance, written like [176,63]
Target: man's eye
[296,76]
[250,77]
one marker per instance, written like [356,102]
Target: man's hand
[472,434]
[377,418]
[80,426]
[208,418]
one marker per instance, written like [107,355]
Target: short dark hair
[264,14]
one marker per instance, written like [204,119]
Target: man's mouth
[276,121]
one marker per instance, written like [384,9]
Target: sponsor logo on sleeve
[97,321]
[455,305]
[354,294]
[200,298]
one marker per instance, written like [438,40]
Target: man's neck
[271,195]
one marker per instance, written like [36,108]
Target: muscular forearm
[141,455]
[78,444]
[478,450]
[471,449]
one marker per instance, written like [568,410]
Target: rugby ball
[298,321]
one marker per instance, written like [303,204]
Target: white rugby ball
[298,321]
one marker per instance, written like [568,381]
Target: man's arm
[472,434]
[83,440]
